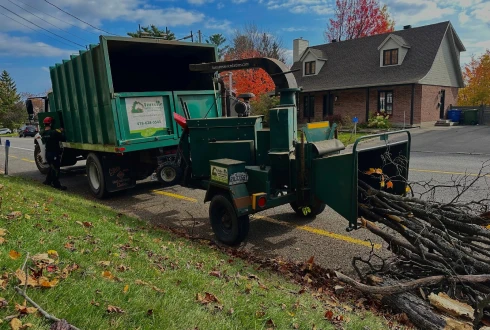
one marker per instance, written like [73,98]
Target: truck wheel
[95,176]
[169,174]
[227,226]
[43,168]
[315,209]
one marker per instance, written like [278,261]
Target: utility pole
[192,37]
[199,34]
[139,30]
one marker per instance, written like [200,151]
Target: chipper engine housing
[247,168]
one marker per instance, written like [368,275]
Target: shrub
[379,120]
[262,104]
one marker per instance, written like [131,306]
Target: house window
[385,102]
[390,57]
[309,106]
[328,105]
[310,68]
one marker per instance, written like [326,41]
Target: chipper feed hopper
[246,168]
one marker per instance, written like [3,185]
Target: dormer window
[390,57]
[310,68]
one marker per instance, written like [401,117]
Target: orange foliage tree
[255,81]
[476,75]
[358,18]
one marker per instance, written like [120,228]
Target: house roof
[399,40]
[316,52]
[355,63]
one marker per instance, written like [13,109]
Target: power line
[79,18]
[47,35]
[73,42]
[48,22]
[59,19]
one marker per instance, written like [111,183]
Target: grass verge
[347,138]
[99,269]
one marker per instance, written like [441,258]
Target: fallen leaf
[86,224]
[15,324]
[2,240]
[53,254]
[21,275]
[114,309]
[329,315]
[3,302]
[51,268]
[3,232]
[140,282]
[378,171]
[42,258]
[370,171]
[46,283]
[259,313]
[215,273]
[123,268]
[270,323]
[14,214]
[23,309]
[107,274]
[68,269]
[27,216]
[104,263]
[126,288]
[93,302]
[208,298]
[149,312]
[389,185]
[14,254]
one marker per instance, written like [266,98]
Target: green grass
[38,219]
[9,135]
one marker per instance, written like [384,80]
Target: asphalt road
[438,154]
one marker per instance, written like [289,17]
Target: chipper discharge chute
[246,168]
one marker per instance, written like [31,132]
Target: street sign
[355,120]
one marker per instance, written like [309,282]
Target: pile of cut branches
[439,271]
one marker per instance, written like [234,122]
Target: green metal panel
[258,179]
[145,117]
[92,113]
[339,191]
[281,122]
[263,146]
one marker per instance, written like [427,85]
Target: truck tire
[43,168]
[228,227]
[315,209]
[169,174]
[95,176]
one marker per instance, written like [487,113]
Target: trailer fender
[238,195]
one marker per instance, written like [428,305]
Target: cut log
[453,307]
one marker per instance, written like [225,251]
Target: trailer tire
[169,174]
[95,176]
[315,209]
[43,168]
[228,227]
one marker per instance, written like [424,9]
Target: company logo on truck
[146,115]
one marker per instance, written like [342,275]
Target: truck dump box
[122,93]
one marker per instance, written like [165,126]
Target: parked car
[5,131]
[28,130]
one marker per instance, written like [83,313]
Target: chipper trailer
[246,168]
[116,102]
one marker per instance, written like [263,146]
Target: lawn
[348,138]
[100,269]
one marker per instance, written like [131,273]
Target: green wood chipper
[246,168]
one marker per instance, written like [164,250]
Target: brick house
[413,74]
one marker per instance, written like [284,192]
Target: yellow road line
[286,224]
[446,172]
[318,231]
[28,160]
[165,193]
[12,156]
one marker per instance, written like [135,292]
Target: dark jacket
[51,139]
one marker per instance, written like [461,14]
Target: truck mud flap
[335,178]
[117,173]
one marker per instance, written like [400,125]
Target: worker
[51,138]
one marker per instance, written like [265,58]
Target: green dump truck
[115,102]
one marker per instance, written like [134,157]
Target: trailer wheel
[43,168]
[169,174]
[227,226]
[315,209]
[95,176]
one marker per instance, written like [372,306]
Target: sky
[27,49]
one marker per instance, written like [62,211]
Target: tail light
[259,201]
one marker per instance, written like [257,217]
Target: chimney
[406,27]
[299,47]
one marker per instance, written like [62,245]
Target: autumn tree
[219,40]
[476,76]
[250,38]
[255,81]
[153,31]
[358,18]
